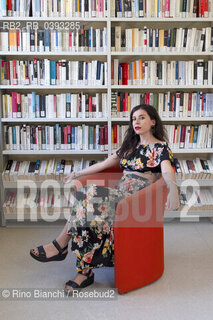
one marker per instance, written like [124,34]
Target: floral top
[147,158]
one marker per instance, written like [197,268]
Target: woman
[143,155]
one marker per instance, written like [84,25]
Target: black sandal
[84,284]
[42,254]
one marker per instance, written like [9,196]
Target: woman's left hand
[173,201]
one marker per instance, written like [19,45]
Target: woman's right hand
[69,177]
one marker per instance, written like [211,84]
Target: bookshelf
[108,56]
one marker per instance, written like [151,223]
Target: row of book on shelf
[98,8]
[50,201]
[140,72]
[49,72]
[54,8]
[90,137]
[40,170]
[190,136]
[162,40]
[180,104]
[95,40]
[177,105]
[53,40]
[161,8]
[179,136]
[56,169]
[64,105]
[202,199]
[56,137]
[193,169]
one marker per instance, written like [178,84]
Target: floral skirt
[91,220]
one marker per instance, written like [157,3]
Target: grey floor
[185,291]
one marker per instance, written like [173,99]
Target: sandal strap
[41,251]
[58,247]
[72,284]
[86,274]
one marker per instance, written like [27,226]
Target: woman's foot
[47,254]
[50,249]
[80,281]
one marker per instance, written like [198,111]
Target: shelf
[191,151]
[160,53]
[200,182]
[162,87]
[53,216]
[183,151]
[162,20]
[53,87]
[63,152]
[189,216]
[52,152]
[55,54]
[13,184]
[54,120]
[113,87]
[201,119]
[53,19]
[113,53]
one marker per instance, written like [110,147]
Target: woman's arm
[111,161]
[168,174]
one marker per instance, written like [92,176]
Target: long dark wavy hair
[131,139]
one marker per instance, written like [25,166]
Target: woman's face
[141,122]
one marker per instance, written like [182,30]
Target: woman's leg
[50,249]
[91,229]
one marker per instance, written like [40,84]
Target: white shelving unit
[104,56]
[193,215]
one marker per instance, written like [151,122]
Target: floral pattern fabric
[91,221]
[147,158]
